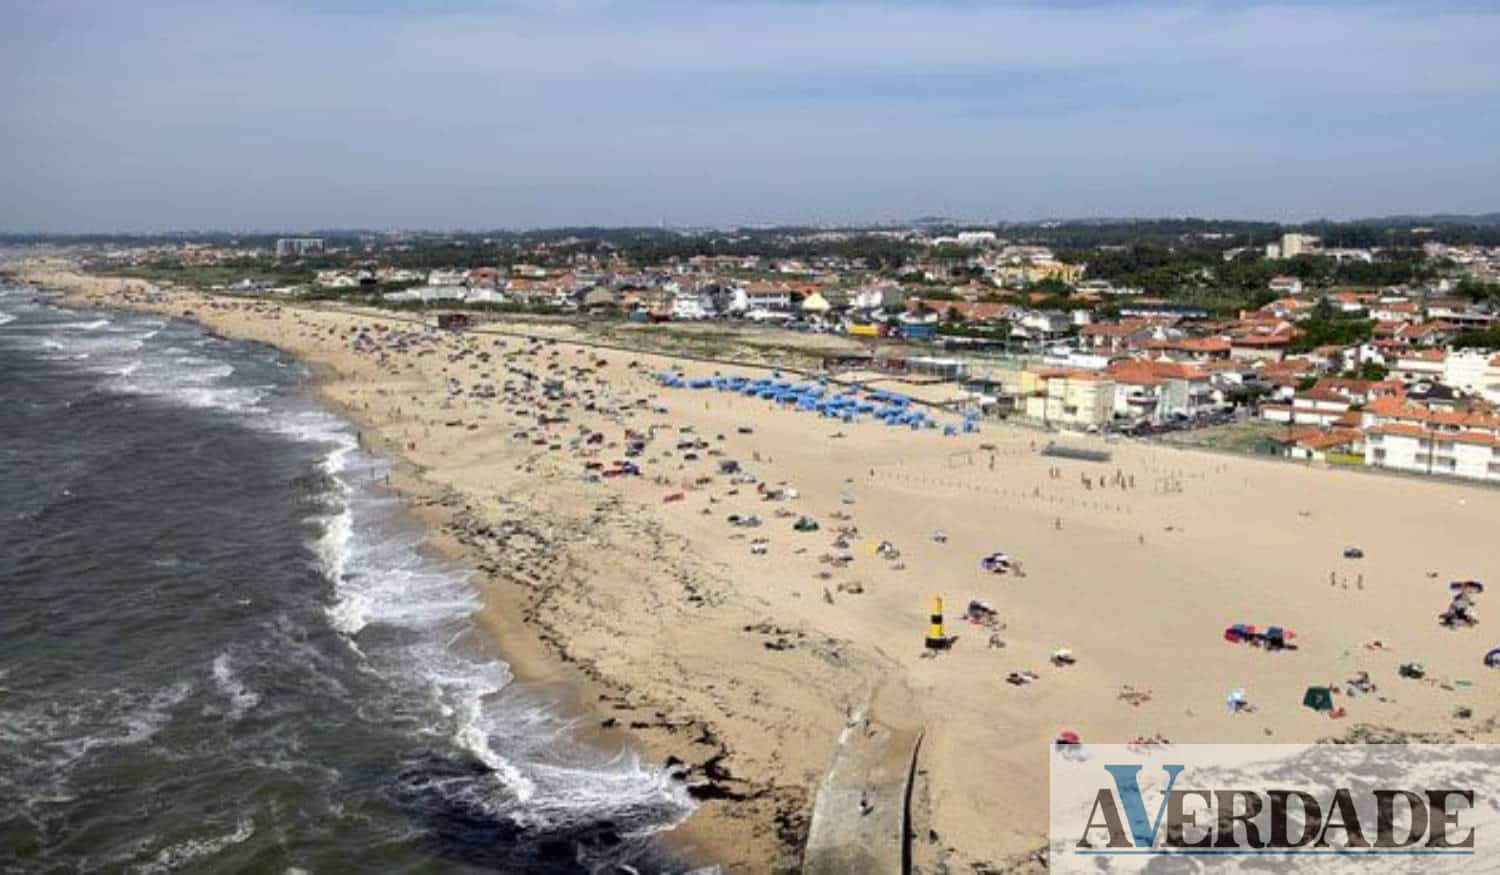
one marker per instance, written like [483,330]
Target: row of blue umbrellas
[891,408]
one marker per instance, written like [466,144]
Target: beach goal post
[960,458]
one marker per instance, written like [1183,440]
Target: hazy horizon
[945,222]
[486,114]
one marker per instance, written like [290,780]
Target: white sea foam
[380,581]
[350,610]
[472,734]
[241,698]
[174,857]
[67,732]
[117,349]
[6,318]
[91,325]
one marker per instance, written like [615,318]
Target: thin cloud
[519,113]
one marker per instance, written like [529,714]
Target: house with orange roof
[966,311]
[1351,303]
[1419,439]
[1158,390]
[1317,444]
[1327,403]
[1400,310]
[1288,308]
[1425,333]
[1127,334]
[1269,346]
[1195,349]
[1460,313]
[1414,365]
[1066,396]
[483,277]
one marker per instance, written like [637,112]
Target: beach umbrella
[1466,586]
[1492,659]
[1068,736]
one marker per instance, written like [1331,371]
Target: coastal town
[847,613]
[749,438]
[1284,343]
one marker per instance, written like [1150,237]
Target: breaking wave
[499,761]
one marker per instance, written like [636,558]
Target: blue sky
[156,114]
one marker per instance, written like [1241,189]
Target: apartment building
[1417,439]
[1069,397]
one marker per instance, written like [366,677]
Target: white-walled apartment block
[1474,372]
[1418,440]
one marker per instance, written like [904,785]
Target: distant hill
[1486,220]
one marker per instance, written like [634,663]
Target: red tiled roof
[1328,440]
[1150,373]
[1391,407]
[1191,344]
[1415,431]
[1321,394]
[1262,340]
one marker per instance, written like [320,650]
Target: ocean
[223,649]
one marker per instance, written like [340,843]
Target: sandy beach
[743,651]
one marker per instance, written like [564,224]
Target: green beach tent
[1318,698]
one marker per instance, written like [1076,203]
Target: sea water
[222,648]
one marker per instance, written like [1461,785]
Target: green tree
[1372,371]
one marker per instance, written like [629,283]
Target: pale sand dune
[670,623]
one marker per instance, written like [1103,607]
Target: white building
[1342,255]
[336,279]
[1286,285]
[692,306]
[400,275]
[1418,365]
[295,247]
[1473,371]
[1460,314]
[1419,440]
[876,296]
[427,294]
[1292,245]
[770,298]
[447,277]
[1045,323]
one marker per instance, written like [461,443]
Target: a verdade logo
[1318,807]
[1231,819]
